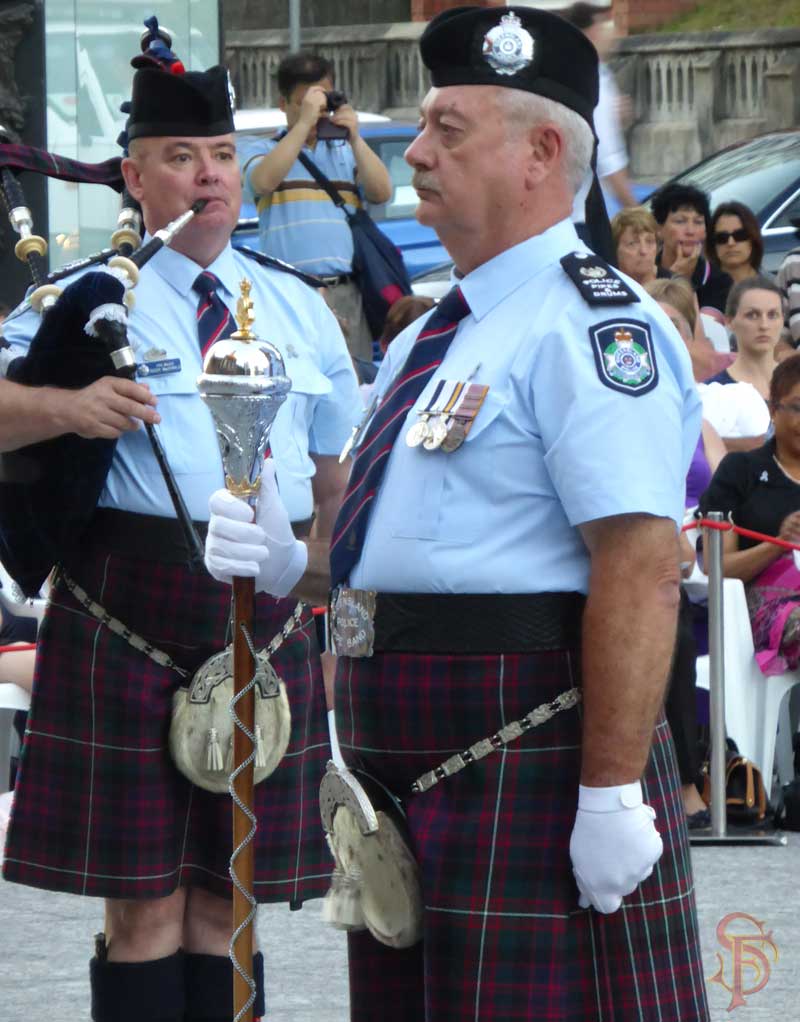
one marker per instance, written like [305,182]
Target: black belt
[476,623]
[337,278]
[148,537]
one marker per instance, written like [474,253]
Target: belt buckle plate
[352,622]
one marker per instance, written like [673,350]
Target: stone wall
[695,93]
[378,66]
[692,94]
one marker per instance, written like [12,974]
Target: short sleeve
[339,410]
[250,151]
[610,452]
[729,486]
[19,328]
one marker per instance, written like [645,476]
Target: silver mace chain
[248,838]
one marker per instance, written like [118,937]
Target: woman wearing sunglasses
[734,242]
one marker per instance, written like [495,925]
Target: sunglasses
[723,237]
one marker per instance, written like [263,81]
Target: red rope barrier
[705,523]
[21,647]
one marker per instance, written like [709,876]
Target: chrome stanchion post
[718,833]
[712,547]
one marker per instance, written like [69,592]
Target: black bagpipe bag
[49,491]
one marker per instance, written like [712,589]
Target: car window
[789,213]
[754,173]
[404,199]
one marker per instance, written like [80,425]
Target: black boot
[209,988]
[137,991]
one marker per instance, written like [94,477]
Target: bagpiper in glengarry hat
[520,48]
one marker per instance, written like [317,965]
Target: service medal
[418,433]
[437,431]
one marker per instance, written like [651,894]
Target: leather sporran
[201,732]
[376,882]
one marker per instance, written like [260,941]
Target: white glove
[265,549]
[614,844]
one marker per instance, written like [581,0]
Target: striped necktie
[424,359]
[214,320]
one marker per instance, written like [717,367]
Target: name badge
[159,367]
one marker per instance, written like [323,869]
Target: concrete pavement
[46,942]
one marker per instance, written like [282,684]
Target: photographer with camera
[299,222]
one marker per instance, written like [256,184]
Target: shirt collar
[180,272]
[493,281]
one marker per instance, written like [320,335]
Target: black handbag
[378,268]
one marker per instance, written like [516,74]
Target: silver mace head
[244,383]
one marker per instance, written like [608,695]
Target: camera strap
[323,181]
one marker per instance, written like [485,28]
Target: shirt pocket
[430,506]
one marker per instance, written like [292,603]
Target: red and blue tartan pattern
[504,938]
[40,161]
[100,808]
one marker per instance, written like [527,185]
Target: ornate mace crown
[244,383]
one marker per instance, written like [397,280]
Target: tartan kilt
[99,808]
[504,938]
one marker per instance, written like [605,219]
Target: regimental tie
[214,320]
[365,478]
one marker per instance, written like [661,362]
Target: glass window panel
[89,46]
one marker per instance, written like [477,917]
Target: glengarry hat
[514,47]
[193,104]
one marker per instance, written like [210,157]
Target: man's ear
[546,147]
[133,178]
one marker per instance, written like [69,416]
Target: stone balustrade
[692,94]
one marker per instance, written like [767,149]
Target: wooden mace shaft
[243,669]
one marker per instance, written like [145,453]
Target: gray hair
[526,109]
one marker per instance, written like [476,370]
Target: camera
[325,127]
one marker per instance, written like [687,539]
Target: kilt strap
[509,733]
[99,613]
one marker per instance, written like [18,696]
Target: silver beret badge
[508,47]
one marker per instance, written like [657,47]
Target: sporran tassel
[213,751]
[261,757]
[341,907]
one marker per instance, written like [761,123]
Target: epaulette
[598,283]
[279,264]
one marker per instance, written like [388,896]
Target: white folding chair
[13,599]
[12,698]
[753,701]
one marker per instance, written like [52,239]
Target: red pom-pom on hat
[177,68]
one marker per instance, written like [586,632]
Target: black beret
[195,104]
[527,49]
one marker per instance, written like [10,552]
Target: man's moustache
[424,183]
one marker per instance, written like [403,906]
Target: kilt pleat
[100,808]
[504,938]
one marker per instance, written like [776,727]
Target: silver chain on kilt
[500,738]
[164,660]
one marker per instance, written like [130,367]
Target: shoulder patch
[279,264]
[624,356]
[597,282]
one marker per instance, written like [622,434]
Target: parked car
[389,139]
[764,174]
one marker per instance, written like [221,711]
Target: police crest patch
[624,356]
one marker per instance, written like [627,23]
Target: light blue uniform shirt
[299,222]
[552,446]
[317,416]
